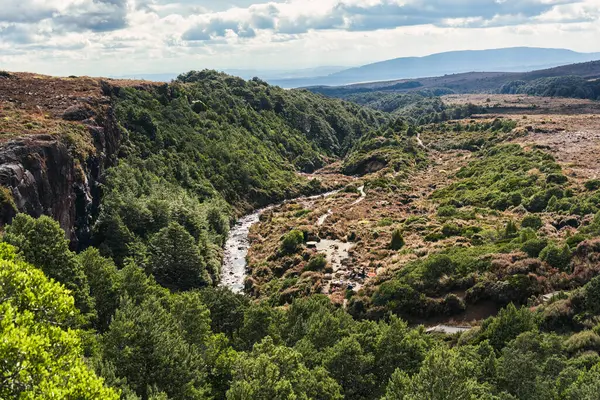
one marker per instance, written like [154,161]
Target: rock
[79,112]
[43,177]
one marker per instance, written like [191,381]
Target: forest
[140,315]
[563,86]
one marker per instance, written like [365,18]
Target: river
[233,270]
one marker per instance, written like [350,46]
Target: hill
[518,59]
[473,82]
[455,260]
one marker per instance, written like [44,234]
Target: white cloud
[117,37]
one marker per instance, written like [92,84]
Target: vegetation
[507,176]
[393,146]
[418,107]
[138,315]
[562,86]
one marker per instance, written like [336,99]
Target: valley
[199,233]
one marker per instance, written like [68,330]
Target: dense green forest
[205,145]
[563,86]
[138,315]
[418,107]
[152,343]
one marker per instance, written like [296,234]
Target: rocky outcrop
[45,176]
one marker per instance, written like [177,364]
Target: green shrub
[556,178]
[397,240]
[583,341]
[534,247]
[437,266]
[292,241]
[446,211]
[316,263]
[573,241]
[526,234]
[511,230]
[532,221]
[449,230]
[559,258]
[592,185]
[385,222]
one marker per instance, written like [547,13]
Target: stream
[233,269]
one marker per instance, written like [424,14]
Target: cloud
[95,33]
[302,16]
[94,15]
[218,28]
[25,11]
[17,34]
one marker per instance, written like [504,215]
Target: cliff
[57,137]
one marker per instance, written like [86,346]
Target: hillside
[518,59]
[381,257]
[473,82]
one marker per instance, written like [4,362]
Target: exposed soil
[569,129]
[33,104]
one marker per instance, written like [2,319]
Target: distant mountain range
[517,59]
[469,82]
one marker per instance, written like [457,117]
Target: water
[233,270]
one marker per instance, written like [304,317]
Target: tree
[226,309]
[147,346]
[507,325]
[42,243]
[352,368]
[399,347]
[273,372]
[41,357]
[175,259]
[292,241]
[105,281]
[592,295]
[397,240]
[445,374]
[530,365]
[510,230]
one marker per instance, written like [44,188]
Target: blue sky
[118,37]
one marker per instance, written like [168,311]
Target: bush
[316,263]
[559,258]
[292,241]
[446,211]
[592,185]
[397,240]
[510,231]
[583,341]
[532,221]
[534,247]
[437,266]
[556,178]
[449,230]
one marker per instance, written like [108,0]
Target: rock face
[45,177]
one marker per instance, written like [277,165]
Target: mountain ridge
[513,59]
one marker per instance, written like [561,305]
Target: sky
[121,37]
